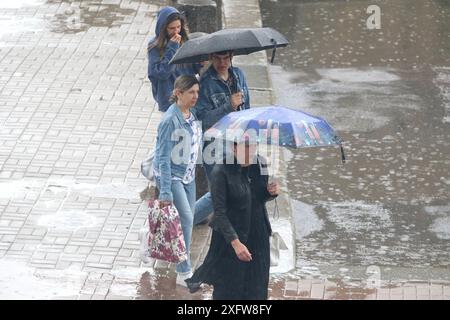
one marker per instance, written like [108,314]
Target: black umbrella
[240,41]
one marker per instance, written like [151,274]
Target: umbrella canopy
[276,125]
[240,41]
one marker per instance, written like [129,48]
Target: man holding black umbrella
[223,89]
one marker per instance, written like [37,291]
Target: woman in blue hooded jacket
[171,32]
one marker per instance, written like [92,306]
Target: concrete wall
[202,15]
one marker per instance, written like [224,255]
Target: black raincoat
[239,195]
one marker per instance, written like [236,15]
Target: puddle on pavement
[80,16]
[18,281]
[152,284]
[67,220]
[60,188]
[161,285]
[14,189]
[11,25]
[53,193]
[71,17]
[111,190]
[126,281]
[16,4]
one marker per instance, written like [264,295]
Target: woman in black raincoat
[238,261]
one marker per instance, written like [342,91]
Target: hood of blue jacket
[163,14]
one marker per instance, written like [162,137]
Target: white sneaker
[181,277]
[143,249]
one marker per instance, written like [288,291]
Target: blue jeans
[184,201]
[204,205]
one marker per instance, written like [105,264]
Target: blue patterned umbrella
[276,125]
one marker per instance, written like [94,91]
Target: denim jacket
[172,149]
[214,100]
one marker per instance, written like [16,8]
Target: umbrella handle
[342,153]
[273,51]
[273,55]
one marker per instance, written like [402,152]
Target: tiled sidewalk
[324,289]
[76,119]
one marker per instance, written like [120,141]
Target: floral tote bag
[165,241]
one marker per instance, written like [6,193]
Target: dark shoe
[193,286]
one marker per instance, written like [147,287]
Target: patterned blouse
[189,176]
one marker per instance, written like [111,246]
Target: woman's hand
[273,188]
[176,38]
[241,251]
[164,203]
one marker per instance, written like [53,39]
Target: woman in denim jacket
[177,148]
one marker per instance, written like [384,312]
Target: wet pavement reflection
[87,14]
[161,286]
[387,93]
[70,17]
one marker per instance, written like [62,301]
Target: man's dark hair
[222,53]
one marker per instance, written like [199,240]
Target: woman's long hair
[163,38]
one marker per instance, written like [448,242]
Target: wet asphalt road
[387,94]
